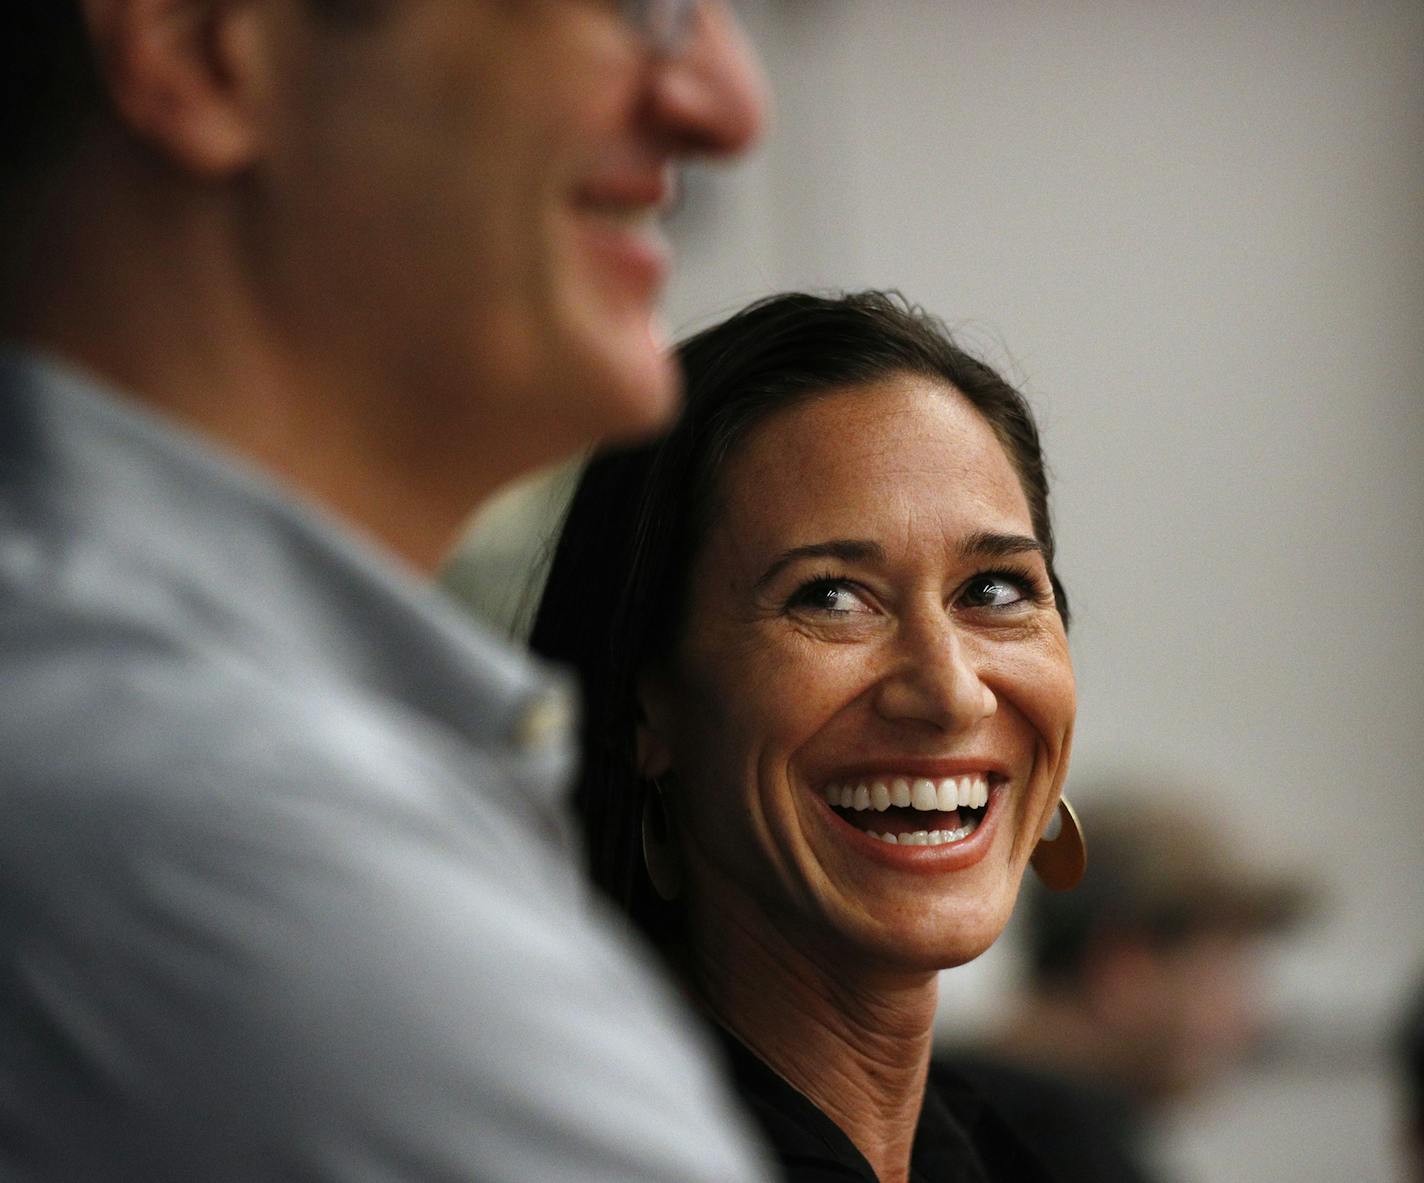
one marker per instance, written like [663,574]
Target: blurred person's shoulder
[284,846]
[189,652]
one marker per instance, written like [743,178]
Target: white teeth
[630,217]
[927,837]
[922,794]
[947,795]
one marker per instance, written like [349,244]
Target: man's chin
[640,395]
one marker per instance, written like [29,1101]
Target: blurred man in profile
[1142,984]
[286,288]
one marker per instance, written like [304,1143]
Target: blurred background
[1193,232]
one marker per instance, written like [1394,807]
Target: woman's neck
[854,1039]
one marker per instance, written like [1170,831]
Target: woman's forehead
[905,452]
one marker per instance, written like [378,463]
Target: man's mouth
[912,811]
[635,200]
[631,218]
[621,226]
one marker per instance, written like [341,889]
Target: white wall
[1195,231]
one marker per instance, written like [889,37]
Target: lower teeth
[926,837]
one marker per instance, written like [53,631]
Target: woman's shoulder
[806,1144]
[1034,1124]
[963,1136]
[960,1137]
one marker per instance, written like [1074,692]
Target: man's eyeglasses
[664,24]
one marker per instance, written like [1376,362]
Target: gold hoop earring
[663,866]
[1060,861]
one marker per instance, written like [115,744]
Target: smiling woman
[830,708]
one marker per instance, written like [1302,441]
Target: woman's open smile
[908,808]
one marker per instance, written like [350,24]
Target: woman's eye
[996,590]
[834,597]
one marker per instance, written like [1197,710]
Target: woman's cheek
[1046,692]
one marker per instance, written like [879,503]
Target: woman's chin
[963,949]
[935,940]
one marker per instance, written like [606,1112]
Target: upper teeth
[633,217]
[881,792]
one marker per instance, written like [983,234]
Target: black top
[1089,1132]
[959,1139]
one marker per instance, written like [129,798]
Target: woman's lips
[946,821]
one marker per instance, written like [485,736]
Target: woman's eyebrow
[990,545]
[847,550]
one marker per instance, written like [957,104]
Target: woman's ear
[654,747]
[183,76]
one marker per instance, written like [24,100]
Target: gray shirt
[286,886]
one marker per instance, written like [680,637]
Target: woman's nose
[709,98]
[935,680]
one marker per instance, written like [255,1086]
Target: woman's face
[871,649]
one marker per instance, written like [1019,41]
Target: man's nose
[709,98]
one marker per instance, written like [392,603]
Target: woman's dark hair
[613,603]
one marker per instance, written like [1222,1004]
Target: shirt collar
[116,494]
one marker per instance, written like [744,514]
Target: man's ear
[182,76]
[654,744]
